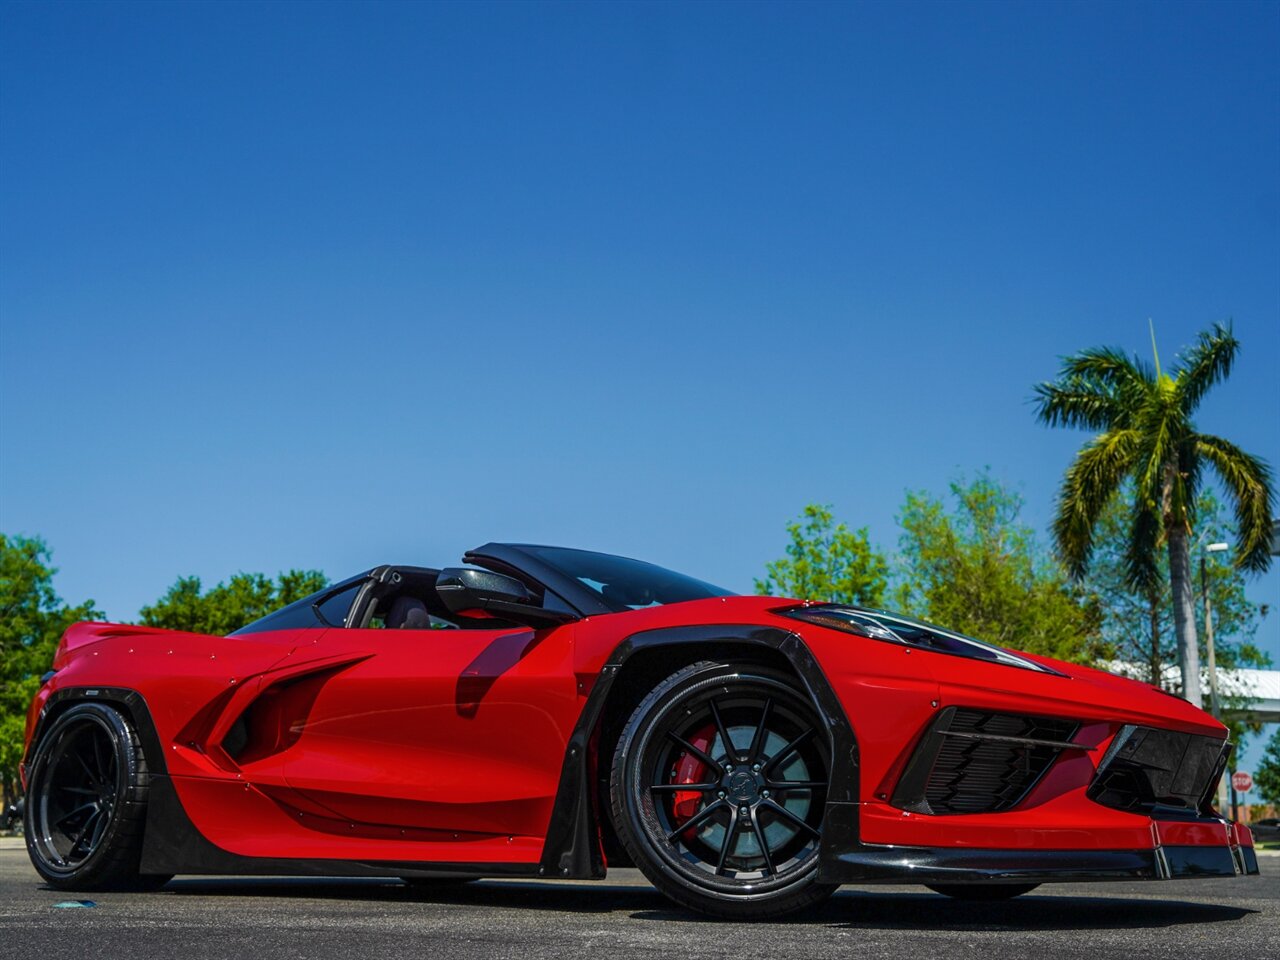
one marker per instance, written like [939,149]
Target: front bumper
[1206,846]
[873,864]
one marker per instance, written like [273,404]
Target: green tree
[1266,779]
[230,605]
[827,561]
[1138,621]
[979,571]
[1142,418]
[32,621]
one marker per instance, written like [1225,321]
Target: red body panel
[448,745]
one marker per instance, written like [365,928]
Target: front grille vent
[975,761]
[1162,773]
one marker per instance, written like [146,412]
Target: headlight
[894,628]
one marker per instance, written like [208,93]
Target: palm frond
[1145,530]
[1090,482]
[1248,480]
[1206,363]
[1111,366]
[1158,456]
[1076,404]
[1095,390]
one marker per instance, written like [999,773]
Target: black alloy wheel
[718,788]
[86,802]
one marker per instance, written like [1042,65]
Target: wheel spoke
[764,847]
[74,813]
[788,815]
[99,828]
[93,777]
[699,754]
[699,818]
[730,838]
[84,831]
[757,740]
[786,751]
[729,750]
[679,787]
[796,784]
[103,762]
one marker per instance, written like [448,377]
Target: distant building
[1262,687]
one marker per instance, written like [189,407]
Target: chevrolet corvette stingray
[548,712]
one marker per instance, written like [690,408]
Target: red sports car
[543,712]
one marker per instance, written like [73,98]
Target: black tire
[743,844]
[982,891]
[86,802]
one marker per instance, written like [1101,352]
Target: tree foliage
[1138,621]
[1144,433]
[978,570]
[827,561]
[973,568]
[228,606]
[1266,778]
[32,621]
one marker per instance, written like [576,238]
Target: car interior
[405,598]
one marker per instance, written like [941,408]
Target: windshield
[625,584]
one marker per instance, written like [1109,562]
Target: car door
[445,735]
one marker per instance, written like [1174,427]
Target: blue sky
[327,285]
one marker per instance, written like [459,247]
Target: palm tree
[1142,417]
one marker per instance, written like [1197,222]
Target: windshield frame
[590,599]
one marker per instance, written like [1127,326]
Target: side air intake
[974,761]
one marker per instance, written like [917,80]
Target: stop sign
[1241,781]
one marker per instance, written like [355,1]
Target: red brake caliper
[689,769]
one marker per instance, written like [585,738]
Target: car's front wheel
[86,802]
[718,786]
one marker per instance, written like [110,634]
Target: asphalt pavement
[624,917]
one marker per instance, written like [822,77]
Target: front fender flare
[572,847]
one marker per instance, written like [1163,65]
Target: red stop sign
[1241,781]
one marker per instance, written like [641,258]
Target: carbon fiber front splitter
[873,864]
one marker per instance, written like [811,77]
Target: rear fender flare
[130,702]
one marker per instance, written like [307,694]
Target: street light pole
[1213,661]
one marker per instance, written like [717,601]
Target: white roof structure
[1262,687]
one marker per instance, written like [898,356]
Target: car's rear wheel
[86,802]
[718,786]
[982,891]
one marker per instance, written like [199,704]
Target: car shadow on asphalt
[853,909]
[595,897]
[860,910]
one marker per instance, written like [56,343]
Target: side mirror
[466,588]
